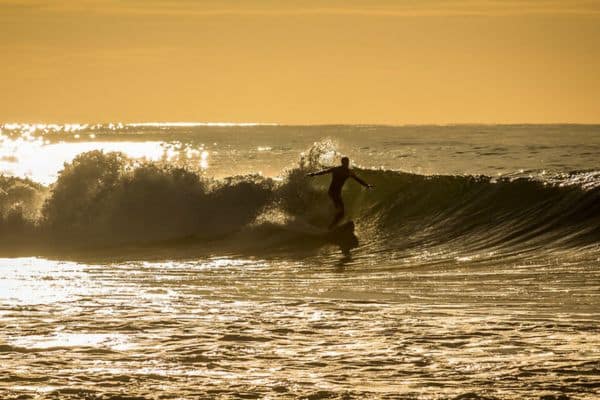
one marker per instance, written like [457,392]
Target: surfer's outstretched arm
[323,172]
[357,179]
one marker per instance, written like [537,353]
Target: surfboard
[342,232]
[344,229]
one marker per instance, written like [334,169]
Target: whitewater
[179,260]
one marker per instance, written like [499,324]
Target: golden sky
[300,62]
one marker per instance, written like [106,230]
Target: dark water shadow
[186,248]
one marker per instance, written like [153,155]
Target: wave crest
[107,199]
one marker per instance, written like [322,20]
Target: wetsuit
[338,178]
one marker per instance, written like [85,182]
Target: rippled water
[460,287]
[39,151]
[252,328]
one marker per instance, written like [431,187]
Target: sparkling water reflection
[244,327]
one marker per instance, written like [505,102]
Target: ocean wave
[102,199]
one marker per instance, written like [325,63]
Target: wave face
[478,212]
[105,199]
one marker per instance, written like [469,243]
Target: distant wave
[103,199]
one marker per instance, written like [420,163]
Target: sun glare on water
[31,151]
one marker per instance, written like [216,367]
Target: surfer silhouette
[338,178]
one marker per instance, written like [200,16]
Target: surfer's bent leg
[339,207]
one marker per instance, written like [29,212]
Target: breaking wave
[106,199]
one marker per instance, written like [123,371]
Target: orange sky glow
[300,62]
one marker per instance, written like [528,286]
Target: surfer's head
[345,162]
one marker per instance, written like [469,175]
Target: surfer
[339,176]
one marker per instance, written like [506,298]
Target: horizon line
[183,124]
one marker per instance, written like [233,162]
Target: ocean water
[176,261]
